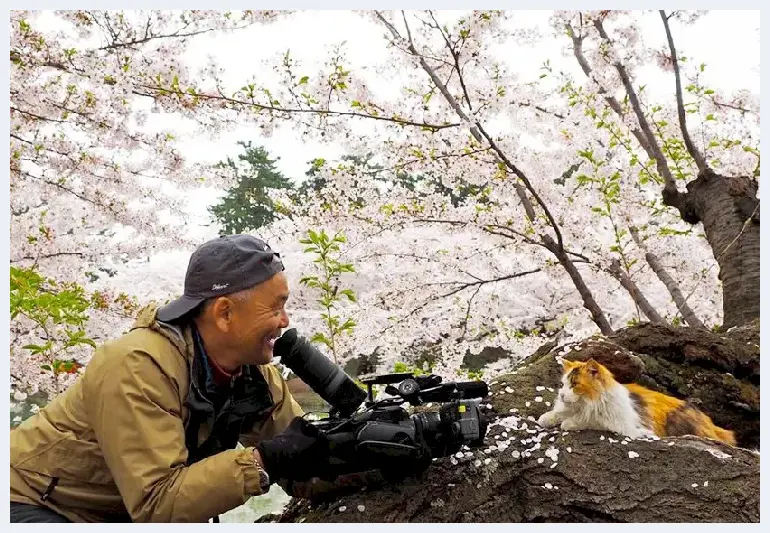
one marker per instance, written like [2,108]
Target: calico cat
[590,398]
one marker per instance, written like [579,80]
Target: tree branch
[279,109]
[455,57]
[597,315]
[462,286]
[34,116]
[468,311]
[147,38]
[673,288]
[577,50]
[47,256]
[636,294]
[479,133]
[696,155]
[660,160]
[513,233]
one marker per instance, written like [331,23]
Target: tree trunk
[518,475]
[729,210]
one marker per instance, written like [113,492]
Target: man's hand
[299,453]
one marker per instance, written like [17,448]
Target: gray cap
[222,266]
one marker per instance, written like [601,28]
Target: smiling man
[149,432]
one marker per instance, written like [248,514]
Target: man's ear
[221,312]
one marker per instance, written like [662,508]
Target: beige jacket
[115,439]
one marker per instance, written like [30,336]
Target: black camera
[366,434]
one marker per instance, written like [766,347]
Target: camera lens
[328,380]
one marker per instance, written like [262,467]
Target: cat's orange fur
[665,415]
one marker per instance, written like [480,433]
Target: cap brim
[177,308]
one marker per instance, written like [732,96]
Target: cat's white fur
[612,411]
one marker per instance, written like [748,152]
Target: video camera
[383,435]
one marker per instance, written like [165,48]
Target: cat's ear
[592,366]
[568,365]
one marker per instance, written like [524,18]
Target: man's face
[258,320]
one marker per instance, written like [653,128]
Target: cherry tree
[447,121]
[81,160]
[727,203]
[565,206]
[94,181]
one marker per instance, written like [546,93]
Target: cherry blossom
[545,154]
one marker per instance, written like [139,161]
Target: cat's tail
[725,435]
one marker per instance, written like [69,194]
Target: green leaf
[34,348]
[320,337]
[303,80]
[349,293]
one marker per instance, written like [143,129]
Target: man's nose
[284,320]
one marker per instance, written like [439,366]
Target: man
[148,432]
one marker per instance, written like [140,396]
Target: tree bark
[728,207]
[672,286]
[517,476]
[627,283]
[719,373]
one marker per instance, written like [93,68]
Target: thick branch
[585,293]
[673,288]
[525,473]
[577,49]
[636,294]
[660,159]
[696,155]
[520,192]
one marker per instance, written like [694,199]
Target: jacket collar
[187,340]
[179,335]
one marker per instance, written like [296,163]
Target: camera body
[386,437]
[383,435]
